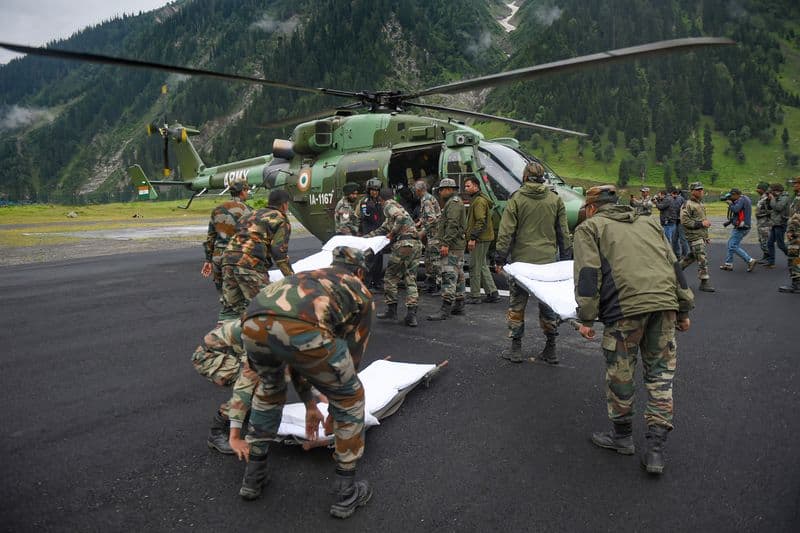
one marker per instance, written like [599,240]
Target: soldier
[403,261]
[429,215]
[370,216]
[778,208]
[345,213]
[762,221]
[644,205]
[318,323]
[222,359]
[793,240]
[480,230]
[220,229]
[696,224]
[451,250]
[612,249]
[534,230]
[261,240]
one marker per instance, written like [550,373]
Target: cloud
[271,25]
[15,116]
[546,15]
[483,43]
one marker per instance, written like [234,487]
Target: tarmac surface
[106,420]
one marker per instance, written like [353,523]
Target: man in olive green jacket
[696,224]
[480,232]
[534,230]
[452,226]
[627,277]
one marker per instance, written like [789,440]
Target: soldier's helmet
[534,171]
[350,188]
[374,183]
[696,186]
[601,194]
[351,257]
[448,182]
[237,185]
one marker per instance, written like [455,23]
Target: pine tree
[708,149]
[785,138]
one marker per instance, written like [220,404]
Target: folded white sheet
[382,381]
[551,284]
[324,257]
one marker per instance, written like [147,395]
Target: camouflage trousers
[216,269]
[433,269]
[763,237]
[224,368]
[515,316]
[479,274]
[793,251]
[654,335]
[698,253]
[402,266]
[239,286]
[453,283]
[324,360]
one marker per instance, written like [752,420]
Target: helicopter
[335,146]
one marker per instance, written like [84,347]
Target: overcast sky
[35,22]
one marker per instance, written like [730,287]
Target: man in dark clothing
[669,215]
[679,243]
[740,213]
[370,213]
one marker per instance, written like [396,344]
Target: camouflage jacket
[533,228]
[779,209]
[398,224]
[429,216]
[793,225]
[346,217]
[261,240]
[222,359]
[625,267]
[693,214]
[222,225]
[762,210]
[643,206]
[454,224]
[480,226]
[333,299]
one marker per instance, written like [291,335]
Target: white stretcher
[324,257]
[386,384]
[551,284]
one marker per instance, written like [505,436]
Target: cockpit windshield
[504,167]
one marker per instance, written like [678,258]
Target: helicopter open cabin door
[459,159]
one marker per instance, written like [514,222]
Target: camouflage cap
[794,180]
[350,188]
[601,194]
[763,185]
[448,182]
[344,255]
[696,186]
[644,189]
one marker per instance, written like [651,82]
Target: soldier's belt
[405,238]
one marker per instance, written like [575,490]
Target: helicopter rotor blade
[515,122]
[124,62]
[575,63]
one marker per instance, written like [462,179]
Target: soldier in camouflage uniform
[220,229]
[793,240]
[644,205]
[696,224]
[221,358]
[318,323]
[762,221]
[261,240]
[452,241]
[778,208]
[429,216]
[399,227]
[533,229]
[345,215]
[613,247]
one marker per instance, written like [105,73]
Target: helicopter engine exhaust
[283,149]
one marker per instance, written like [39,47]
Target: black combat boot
[390,313]
[350,494]
[458,307]
[653,456]
[491,298]
[794,288]
[548,354]
[705,286]
[411,316]
[443,313]
[218,435]
[513,354]
[432,287]
[620,439]
[255,477]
